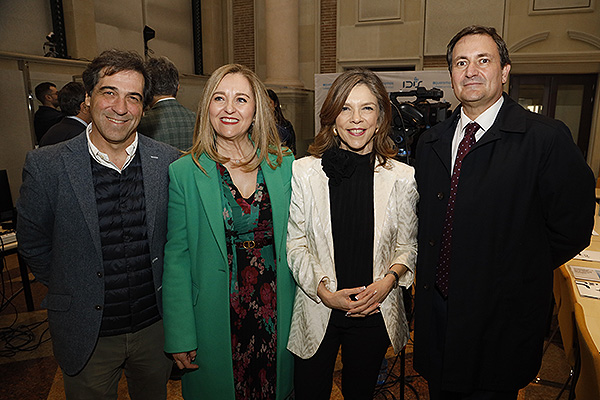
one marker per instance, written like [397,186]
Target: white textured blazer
[310,248]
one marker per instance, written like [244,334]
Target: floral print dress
[252,288]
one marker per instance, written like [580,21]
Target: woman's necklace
[239,150]
[238,161]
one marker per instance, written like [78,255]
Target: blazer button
[98,307]
[432,242]
[440,195]
[426,286]
[99,274]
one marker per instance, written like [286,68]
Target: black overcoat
[525,205]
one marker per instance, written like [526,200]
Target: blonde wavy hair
[263,131]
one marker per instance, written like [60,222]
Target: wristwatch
[396,277]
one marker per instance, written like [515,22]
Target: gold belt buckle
[249,244]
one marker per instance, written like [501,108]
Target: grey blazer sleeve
[35,222]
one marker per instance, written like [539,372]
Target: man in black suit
[92,222]
[493,225]
[48,113]
[77,115]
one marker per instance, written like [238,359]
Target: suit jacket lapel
[149,158]
[443,141]
[506,121]
[319,184]
[77,161]
[383,183]
[210,192]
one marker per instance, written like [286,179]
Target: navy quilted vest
[129,295]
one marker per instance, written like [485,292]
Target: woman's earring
[335,131]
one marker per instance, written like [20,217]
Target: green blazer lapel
[209,191]
[279,203]
[77,160]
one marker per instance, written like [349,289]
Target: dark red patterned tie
[442,273]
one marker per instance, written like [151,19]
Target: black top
[44,118]
[287,134]
[352,215]
[66,129]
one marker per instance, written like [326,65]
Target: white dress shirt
[485,120]
[103,159]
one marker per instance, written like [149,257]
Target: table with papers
[586,282]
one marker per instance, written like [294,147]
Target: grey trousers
[139,355]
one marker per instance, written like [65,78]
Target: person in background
[505,198]
[47,114]
[284,127]
[92,222]
[352,242]
[77,115]
[167,120]
[228,291]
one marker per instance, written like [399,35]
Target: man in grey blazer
[92,226]
[167,120]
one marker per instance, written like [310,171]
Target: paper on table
[588,289]
[588,255]
[585,273]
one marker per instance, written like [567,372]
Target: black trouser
[364,343]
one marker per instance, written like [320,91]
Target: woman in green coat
[227,289]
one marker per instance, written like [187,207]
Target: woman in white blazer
[352,241]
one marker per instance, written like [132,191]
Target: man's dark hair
[164,76]
[479,30]
[43,89]
[110,62]
[70,98]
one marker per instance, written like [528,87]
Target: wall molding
[556,58]
[6,55]
[416,62]
[379,12]
[538,37]
[584,37]
[544,7]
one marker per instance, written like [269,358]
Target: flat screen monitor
[7,209]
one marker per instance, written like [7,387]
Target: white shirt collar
[103,159]
[485,119]
[76,118]
[163,99]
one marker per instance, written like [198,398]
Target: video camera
[50,46]
[411,118]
